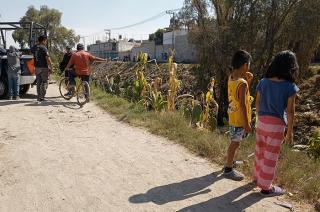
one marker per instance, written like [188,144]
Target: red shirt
[81,61]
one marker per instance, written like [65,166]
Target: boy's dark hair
[42,38]
[240,58]
[284,66]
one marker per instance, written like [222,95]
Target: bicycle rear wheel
[65,88]
[83,93]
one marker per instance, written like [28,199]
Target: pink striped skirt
[269,137]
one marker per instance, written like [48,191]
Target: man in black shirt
[66,57]
[43,66]
[63,64]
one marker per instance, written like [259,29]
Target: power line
[93,34]
[147,20]
[141,22]
[160,15]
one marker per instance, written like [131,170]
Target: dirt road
[57,157]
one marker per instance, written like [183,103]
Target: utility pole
[108,33]
[171,12]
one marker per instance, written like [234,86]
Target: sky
[88,17]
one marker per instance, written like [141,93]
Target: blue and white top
[274,97]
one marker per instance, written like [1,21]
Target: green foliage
[261,27]
[314,146]
[59,36]
[156,101]
[113,85]
[139,87]
[157,37]
[143,58]
[213,123]
[196,114]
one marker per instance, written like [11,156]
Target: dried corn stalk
[174,84]
[211,107]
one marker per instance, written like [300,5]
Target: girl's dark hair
[240,58]
[284,66]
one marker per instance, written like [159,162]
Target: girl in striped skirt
[275,104]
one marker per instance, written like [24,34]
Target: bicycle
[68,90]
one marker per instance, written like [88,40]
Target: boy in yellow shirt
[239,110]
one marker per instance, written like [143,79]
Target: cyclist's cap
[80,46]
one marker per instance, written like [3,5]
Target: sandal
[274,191]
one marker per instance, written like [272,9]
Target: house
[178,40]
[128,50]
[114,49]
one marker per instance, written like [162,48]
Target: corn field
[160,90]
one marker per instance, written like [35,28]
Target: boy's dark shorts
[237,134]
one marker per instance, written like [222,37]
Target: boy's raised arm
[243,105]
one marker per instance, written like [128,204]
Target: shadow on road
[13,102]
[34,96]
[29,96]
[70,105]
[189,188]
[227,202]
[177,191]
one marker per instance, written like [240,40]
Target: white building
[120,49]
[178,40]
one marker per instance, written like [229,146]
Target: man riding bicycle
[81,61]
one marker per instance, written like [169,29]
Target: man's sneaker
[16,98]
[10,98]
[233,175]
[69,94]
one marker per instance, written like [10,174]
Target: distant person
[81,61]
[276,94]
[14,72]
[43,65]
[63,64]
[66,58]
[239,109]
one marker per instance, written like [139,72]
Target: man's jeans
[13,81]
[42,82]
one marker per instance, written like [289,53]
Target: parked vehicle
[27,63]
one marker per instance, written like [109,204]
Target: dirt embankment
[308,107]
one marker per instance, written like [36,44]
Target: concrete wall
[168,36]
[146,47]
[185,52]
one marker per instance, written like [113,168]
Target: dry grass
[296,171]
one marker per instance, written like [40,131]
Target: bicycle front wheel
[83,94]
[65,88]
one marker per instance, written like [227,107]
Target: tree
[157,37]
[303,35]
[262,27]
[59,36]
